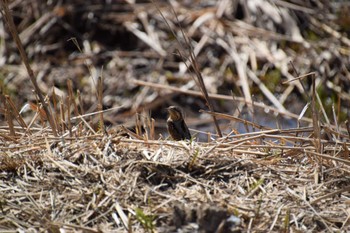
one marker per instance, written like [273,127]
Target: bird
[176,125]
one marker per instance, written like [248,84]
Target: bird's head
[175,113]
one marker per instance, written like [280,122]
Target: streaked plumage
[177,127]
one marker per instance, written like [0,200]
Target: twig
[7,15]
[222,97]
[199,79]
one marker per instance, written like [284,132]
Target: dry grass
[94,183]
[63,169]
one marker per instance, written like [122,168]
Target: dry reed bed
[97,183]
[238,46]
[80,176]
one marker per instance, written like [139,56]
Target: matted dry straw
[63,170]
[95,183]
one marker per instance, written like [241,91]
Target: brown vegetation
[264,85]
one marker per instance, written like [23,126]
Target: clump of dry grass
[94,182]
[83,176]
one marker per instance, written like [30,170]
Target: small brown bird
[177,127]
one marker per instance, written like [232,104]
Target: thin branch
[11,25]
